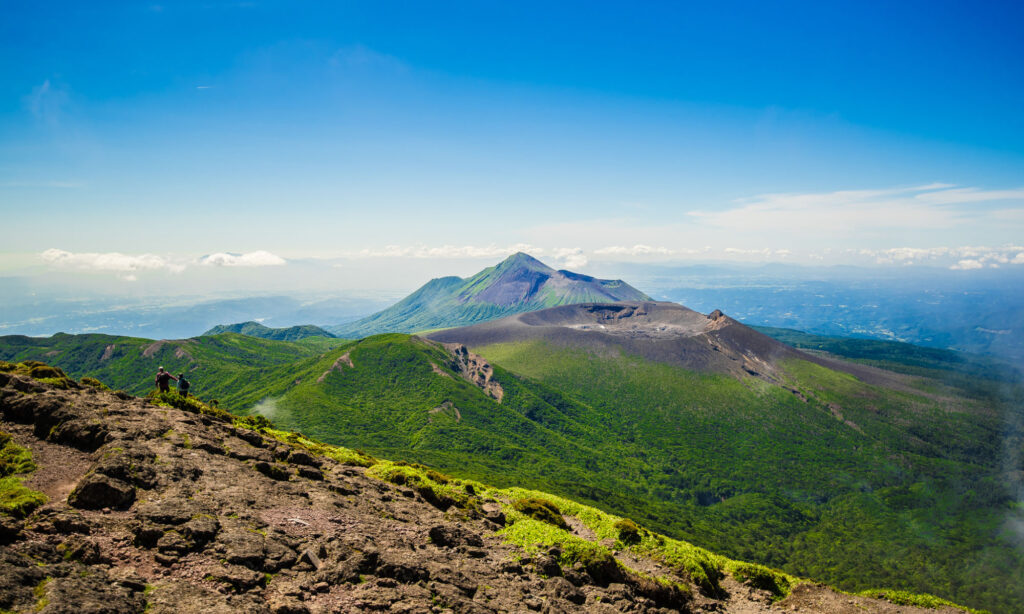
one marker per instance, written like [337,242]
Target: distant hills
[518,284]
[255,329]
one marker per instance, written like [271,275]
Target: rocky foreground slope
[155,509]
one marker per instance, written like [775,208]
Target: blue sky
[136,138]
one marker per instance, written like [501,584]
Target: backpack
[183,384]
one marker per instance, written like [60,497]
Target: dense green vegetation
[883,488]
[976,375]
[255,329]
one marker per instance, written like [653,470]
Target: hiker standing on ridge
[183,385]
[163,380]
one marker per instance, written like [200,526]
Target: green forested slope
[882,487]
[858,485]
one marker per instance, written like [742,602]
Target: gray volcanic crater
[658,331]
[648,319]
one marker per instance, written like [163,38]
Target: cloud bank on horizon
[819,228]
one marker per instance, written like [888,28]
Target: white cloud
[117,262]
[637,250]
[251,259]
[570,257]
[969,195]
[967,265]
[964,257]
[445,251]
[765,252]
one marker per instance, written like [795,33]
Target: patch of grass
[15,499]
[40,594]
[13,458]
[922,600]
[535,536]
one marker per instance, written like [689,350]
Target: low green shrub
[629,532]
[759,576]
[542,510]
[255,423]
[92,382]
[438,477]
[41,371]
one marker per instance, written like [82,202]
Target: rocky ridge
[184,509]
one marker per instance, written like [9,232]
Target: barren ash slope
[116,504]
[658,331]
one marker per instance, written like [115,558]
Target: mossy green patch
[92,382]
[776,582]
[540,509]
[15,498]
[921,600]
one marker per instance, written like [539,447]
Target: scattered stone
[242,547]
[275,472]
[239,578]
[97,491]
[300,457]
[82,549]
[450,536]
[308,556]
[310,473]
[562,589]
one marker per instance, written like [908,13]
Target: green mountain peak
[518,284]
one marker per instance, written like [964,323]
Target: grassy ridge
[230,367]
[898,489]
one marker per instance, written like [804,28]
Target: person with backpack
[183,385]
[163,380]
